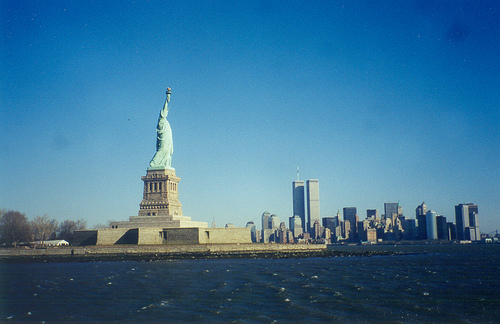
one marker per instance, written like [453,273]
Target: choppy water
[439,284]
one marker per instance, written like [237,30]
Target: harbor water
[426,283]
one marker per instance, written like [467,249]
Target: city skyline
[380,102]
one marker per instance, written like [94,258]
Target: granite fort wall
[110,236]
[158,235]
[181,235]
[150,236]
[225,235]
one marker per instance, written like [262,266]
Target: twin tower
[299,203]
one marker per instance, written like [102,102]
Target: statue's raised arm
[168,94]
[164,142]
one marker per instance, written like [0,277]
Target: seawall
[158,252]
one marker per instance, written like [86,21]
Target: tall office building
[442,228]
[296,225]
[331,223]
[410,229]
[372,213]
[473,222]
[461,220]
[466,219]
[312,203]
[274,222]
[299,208]
[431,223]
[420,215]
[350,215]
[253,231]
[266,232]
[391,211]
[265,220]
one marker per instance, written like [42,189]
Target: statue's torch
[168,94]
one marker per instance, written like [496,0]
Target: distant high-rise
[391,210]
[265,220]
[431,225]
[350,215]
[317,230]
[410,229]
[312,203]
[442,228]
[466,219]
[296,225]
[299,208]
[274,222]
[452,231]
[331,223]
[420,213]
[461,220]
[253,231]
[372,213]
[474,222]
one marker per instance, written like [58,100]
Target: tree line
[15,228]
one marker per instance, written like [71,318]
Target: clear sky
[382,101]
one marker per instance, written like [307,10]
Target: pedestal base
[161,195]
[159,222]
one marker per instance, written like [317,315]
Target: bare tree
[102,225]
[14,228]
[68,227]
[43,228]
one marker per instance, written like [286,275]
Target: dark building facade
[420,212]
[350,215]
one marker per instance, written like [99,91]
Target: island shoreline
[163,253]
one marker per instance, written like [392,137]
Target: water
[458,284]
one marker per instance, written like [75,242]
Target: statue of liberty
[164,143]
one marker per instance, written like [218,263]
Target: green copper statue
[164,143]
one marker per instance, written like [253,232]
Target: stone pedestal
[160,206]
[161,195]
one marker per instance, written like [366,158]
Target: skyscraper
[253,231]
[312,203]
[431,225]
[461,220]
[296,225]
[420,214]
[266,231]
[274,222]
[350,215]
[372,213]
[466,219]
[299,208]
[442,228]
[473,222]
[265,220]
[331,223]
[391,210]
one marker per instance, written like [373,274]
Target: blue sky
[381,101]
